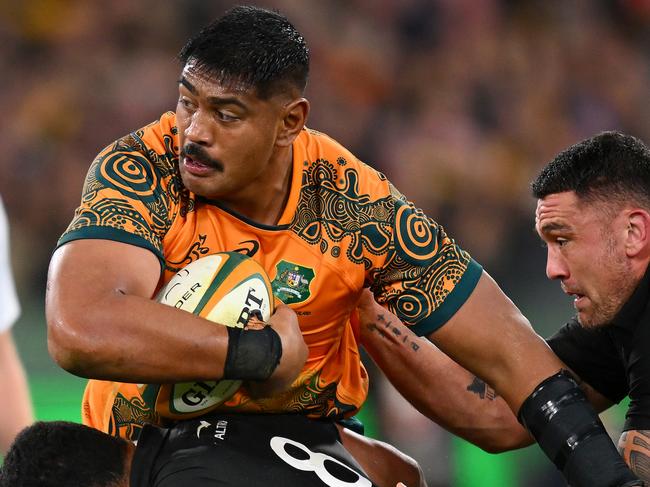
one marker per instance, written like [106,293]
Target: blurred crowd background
[458,102]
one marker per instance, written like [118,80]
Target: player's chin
[591,319]
[206,186]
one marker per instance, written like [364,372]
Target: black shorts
[245,450]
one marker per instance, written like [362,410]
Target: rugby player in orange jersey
[235,169]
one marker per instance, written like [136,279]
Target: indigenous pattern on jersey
[345,227]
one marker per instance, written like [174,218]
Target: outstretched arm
[435,385]
[103,324]
[439,388]
[490,337]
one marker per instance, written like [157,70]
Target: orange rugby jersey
[345,227]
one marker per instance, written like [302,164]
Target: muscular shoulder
[154,145]
[142,164]
[133,190]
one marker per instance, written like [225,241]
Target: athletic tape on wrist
[569,431]
[252,354]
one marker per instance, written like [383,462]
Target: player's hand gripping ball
[225,288]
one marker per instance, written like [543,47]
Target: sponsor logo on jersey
[291,283]
[248,247]
[203,425]
[219,429]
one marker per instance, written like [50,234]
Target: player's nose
[199,129]
[556,265]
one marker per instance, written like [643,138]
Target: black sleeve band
[252,354]
[569,431]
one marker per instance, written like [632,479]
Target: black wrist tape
[252,354]
[569,431]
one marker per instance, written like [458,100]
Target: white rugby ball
[224,288]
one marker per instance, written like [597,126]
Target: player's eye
[561,242]
[186,103]
[226,117]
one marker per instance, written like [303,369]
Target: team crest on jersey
[291,283]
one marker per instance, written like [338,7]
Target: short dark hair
[252,47]
[62,453]
[610,166]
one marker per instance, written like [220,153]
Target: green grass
[57,397]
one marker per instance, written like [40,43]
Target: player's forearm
[501,347]
[133,339]
[104,324]
[491,338]
[439,388]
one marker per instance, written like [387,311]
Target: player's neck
[266,197]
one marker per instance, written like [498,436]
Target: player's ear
[293,120]
[638,233]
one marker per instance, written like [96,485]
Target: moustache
[198,154]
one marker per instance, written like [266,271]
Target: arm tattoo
[484,391]
[634,447]
[387,330]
